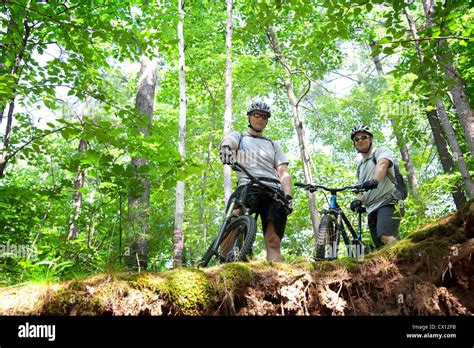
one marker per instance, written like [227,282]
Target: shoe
[388,240]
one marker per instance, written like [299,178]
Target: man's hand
[370,184]
[226,154]
[288,206]
[356,206]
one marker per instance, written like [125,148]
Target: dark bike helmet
[360,128]
[259,106]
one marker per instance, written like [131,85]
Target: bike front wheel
[326,239]
[238,240]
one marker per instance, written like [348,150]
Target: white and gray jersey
[259,155]
[382,194]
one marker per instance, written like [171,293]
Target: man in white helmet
[374,172]
[264,159]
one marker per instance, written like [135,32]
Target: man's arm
[229,142]
[285,178]
[380,171]
[381,168]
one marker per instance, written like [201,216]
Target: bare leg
[272,243]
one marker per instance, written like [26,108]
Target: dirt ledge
[431,272]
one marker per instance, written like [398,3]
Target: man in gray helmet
[264,159]
[376,172]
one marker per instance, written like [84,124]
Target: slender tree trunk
[412,180]
[298,123]
[3,69]
[445,157]
[178,234]
[4,156]
[139,191]
[376,59]
[443,116]
[77,195]
[458,91]
[453,144]
[228,97]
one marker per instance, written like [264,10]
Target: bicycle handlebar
[312,188]
[276,195]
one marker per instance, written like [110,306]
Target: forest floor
[430,272]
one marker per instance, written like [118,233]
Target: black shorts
[384,221]
[262,204]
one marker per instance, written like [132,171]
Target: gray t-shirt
[382,194]
[259,155]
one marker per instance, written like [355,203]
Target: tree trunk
[4,69]
[298,123]
[453,144]
[459,95]
[443,116]
[228,97]
[412,180]
[4,156]
[77,195]
[445,157]
[376,59]
[139,191]
[178,234]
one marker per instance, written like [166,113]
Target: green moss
[399,249]
[440,228]
[425,251]
[352,264]
[73,299]
[291,268]
[304,265]
[146,281]
[233,276]
[326,265]
[188,289]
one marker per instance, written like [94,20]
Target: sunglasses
[262,116]
[362,137]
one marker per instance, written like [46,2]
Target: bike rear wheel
[326,239]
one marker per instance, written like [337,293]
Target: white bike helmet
[360,128]
[259,106]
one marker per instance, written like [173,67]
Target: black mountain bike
[333,225]
[241,230]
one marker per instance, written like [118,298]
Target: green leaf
[388,50]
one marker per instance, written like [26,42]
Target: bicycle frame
[340,220]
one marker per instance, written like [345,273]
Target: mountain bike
[334,223]
[236,235]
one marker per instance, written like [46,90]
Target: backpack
[401,189]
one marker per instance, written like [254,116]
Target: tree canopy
[70,73]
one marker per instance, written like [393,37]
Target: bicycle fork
[220,234]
